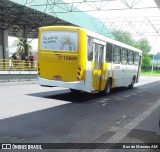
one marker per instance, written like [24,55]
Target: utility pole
[153,56]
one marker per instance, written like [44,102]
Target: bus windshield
[59,40]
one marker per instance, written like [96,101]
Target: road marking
[133,93]
[114,129]
[122,133]
[119,98]
[140,91]
[126,96]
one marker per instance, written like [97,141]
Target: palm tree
[20,47]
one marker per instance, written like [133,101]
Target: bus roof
[97,36]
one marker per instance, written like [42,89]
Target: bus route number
[73,58]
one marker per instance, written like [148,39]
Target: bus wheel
[107,90]
[132,84]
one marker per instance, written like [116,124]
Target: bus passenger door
[97,69]
[139,68]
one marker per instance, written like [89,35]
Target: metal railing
[17,69]
[17,65]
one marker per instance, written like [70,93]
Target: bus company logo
[6,146]
[57,77]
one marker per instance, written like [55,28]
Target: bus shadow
[81,97]
[79,123]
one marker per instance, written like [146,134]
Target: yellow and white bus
[79,59]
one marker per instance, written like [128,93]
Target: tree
[20,46]
[123,37]
[143,44]
[146,60]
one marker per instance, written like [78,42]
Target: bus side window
[130,57]
[136,58]
[116,54]
[124,53]
[96,62]
[109,52]
[90,48]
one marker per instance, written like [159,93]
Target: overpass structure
[22,18]
[158,3]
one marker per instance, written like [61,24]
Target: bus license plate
[57,77]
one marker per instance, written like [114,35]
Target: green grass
[155,72]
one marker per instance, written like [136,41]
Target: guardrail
[17,69]
[17,65]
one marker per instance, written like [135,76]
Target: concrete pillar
[4,51]
[1,47]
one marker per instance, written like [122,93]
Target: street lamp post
[153,56]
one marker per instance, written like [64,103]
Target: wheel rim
[108,87]
[132,82]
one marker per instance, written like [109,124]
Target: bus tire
[132,83]
[107,90]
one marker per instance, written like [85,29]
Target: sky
[34,44]
[108,13]
[136,16]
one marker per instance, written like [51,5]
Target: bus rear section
[60,59]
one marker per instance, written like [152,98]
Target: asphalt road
[35,114]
